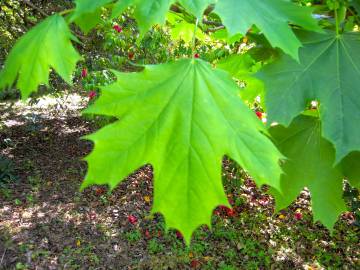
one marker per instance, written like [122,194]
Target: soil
[47,223]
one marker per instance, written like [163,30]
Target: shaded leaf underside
[309,164]
[329,72]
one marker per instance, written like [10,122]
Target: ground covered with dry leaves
[46,223]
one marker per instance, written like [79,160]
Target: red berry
[298,215]
[117,28]
[92,95]
[132,219]
[147,234]
[259,115]
[84,73]
[179,235]
[196,55]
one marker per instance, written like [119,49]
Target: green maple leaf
[238,65]
[87,13]
[181,117]
[329,72]
[147,13]
[120,6]
[47,45]
[356,5]
[182,30]
[309,164]
[271,16]
[242,67]
[196,7]
[351,168]
[151,12]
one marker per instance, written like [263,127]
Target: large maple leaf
[146,13]
[270,16]
[87,13]
[182,118]
[309,164]
[47,45]
[329,72]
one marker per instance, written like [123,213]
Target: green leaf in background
[47,45]
[196,7]
[356,5]
[242,67]
[329,72]
[223,35]
[181,29]
[271,16]
[120,6]
[87,13]
[309,164]
[147,13]
[150,12]
[182,117]
[351,168]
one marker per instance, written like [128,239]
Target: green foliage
[168,117]
[271,17]
[196,7]
[351,168]
[302,144]
[328,72]
[47,45]
[87,13]
[243,67]
[147,13]
[181,29]
[182,117]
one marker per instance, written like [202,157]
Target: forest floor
[47,223]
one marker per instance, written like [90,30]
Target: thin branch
[211,23]
[214,29]
[35,7]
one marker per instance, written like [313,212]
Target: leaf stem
[65,12]
[194,36]
[340,16]
[337,21]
